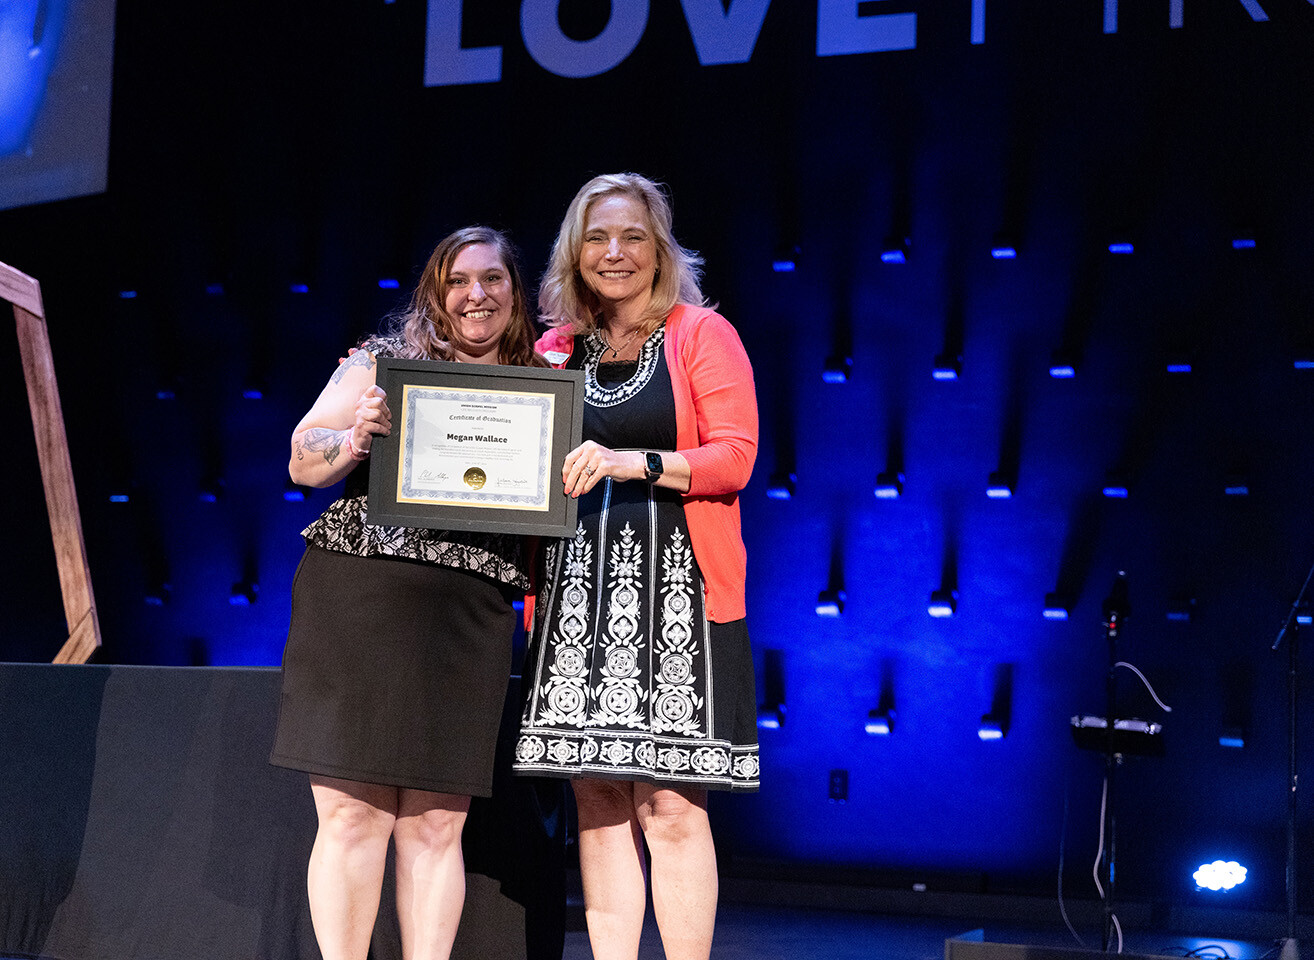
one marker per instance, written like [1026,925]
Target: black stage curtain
[142,821]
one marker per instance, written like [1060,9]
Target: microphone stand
[1290,949]
[1116,610]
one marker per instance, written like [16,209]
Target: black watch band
[652,466]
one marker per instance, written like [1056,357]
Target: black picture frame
[565,388]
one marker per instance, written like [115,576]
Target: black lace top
[343,528]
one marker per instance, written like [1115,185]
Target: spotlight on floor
[1003,247]
[1219,875]
[1122,246]
[889,485]
[999,486]
[943,603]
[1062,365]
[830,603]
[785,260]
[1115,487]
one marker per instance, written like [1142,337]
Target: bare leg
[430,872]
[684,880]
[611,867]
[346,863]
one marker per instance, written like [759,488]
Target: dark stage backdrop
[263,149]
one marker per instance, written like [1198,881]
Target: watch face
[654,464]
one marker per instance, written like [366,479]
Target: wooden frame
[24,293]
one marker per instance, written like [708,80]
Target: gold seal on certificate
[476,447]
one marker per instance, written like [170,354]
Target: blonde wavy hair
[564,300]
[431,333]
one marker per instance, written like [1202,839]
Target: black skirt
[394,672]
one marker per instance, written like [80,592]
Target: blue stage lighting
[1233,737]
[1236,487]
[298,288]
[1244,243]
[947,366]
[837,370]
[830,603]
[1219,875]
[1056,608]
[1303,616]
[1003,247]
[782,486]
[895,250]
[252,393]
[943,603]
[1122,247]
[1180,610]
[990,729]
[1115,488]
[999,487]
[1304,363]
[158,594]
[889,486]
[785,260]
[784,266]
[880,723]
[214,289]
[127,294]
[1062,366]
[244,593]
[1179,365]
[165,393]
[389,283]
[292,492]
[771,716]
[118,498]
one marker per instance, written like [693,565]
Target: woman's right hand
[373,419]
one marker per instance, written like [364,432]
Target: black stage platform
[142,821]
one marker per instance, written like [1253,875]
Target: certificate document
[476,447]
[480,449]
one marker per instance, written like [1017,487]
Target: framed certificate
[476,447]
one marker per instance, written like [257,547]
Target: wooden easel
[56,469]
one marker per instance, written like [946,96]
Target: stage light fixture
[1179,365]
[127,294]
[990,729]
[244,593]
[1062,365]
[389,283]
[158,594]
[211,490]
[119,498]
[782,486]
[770,716]
[166,391]
[837,370]
[880,723]
[214,289]
[253,391]
[1122,246]
[1181,609]
[1232,737]
[298,288]
[1303,615]
[830,603]
[947,366]
[895,249]
[1116,488]
[1003,247]
[1056,607]
[1236,486]
[1304,362]
[999,486]
[785,260]
[1244,241]
[294,492]
[943,603]
[1219,875]
[889,485]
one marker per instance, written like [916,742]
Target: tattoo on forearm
[361,358]
[319,438]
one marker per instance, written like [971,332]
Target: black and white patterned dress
[625,676]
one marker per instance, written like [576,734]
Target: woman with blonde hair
[639,676]
[397,657]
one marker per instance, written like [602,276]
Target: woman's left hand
[588,463]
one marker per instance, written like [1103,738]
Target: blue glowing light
[1179,366]
[1219,875]
[118,498]
[388,283]
[889,486]
[127,294]
[770,716]
[1122,247]
[1062,371]
[1231,740]
[990,729]
[214,289]
[298,288]
[294,495]
[943,603]
[1003,253]
[1237,489]
[784,266]
[1304,363]
[879,723]
[781,487]
[26,59]
[253,393]
[830,603]
[837,370]
[1115,491]
[1056,613]
[165,393]
[1244,243]
[944,373]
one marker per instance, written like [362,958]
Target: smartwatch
[652,466]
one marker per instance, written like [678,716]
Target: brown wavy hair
[431,333]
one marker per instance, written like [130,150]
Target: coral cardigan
[716,432]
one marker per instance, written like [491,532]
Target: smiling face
[480,299]
[618,257]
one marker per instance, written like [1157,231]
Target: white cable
[1117,926]
[1063,837]
[1099,850]
[1132,667]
